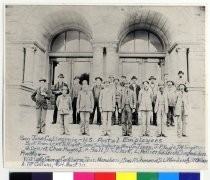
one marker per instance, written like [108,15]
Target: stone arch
[149,20]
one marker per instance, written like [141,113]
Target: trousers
[84,122]
[41,119]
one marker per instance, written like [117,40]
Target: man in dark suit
[136,88]
[57,91]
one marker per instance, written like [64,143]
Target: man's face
[84,83]
[106,84]
[169,84]
[42,83]
[126,85]
[98,82]
[76,81]
[152,81]
[134,81]
[146,85]
[116,82]
[166,77]
[123,79]
[180,75]
[161,88]
[64,91]
[60,79]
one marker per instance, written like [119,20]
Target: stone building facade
[101,41]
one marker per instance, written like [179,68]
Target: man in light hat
[161,108]
[154,90]
[57,91]
[96,93]
[181,79]
[107,107]
[128,106]
[116,117]
[40,96]
[135,88]
[74,94]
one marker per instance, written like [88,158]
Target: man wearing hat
[161,108]
[165,77]
[123,79]
[116,117]
[40,96]
[96,93]
[128,106]
[74,94]
[57,91]
[154,90]
[135,88]
[181,79]
[171,93]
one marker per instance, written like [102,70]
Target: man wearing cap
[96,93]
[123,80]
[135,88]
[165,77]
[145,108]
[107,107]
[154,90]
[128,106]
[171,93]
[74,94]
[116,117]
[40,96]
[161,108]
[181,79]
[57,91]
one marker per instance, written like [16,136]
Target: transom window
[71,41]
[141,41]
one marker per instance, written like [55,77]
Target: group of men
[120,102]
[129,100]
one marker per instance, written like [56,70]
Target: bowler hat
[180,72]
[42,79]
[111,76]
[152,77]
[60,76]
[98,78]
[76,77]
[134,77]
[123,76]
[145,82]
[116,79]
[126,82]
[161,84]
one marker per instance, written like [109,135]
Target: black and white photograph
[105,87]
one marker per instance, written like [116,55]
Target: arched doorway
[142,53]
[70,53]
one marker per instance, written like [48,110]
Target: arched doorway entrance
[70,53]
[142,53]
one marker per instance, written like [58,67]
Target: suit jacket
[107,99]
[137,90]
[41,100]
[85,101]
[157,103]
[95,88]
[58,87]
[182,98]
[145,100]
[132,99]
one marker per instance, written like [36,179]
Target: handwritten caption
[54,152]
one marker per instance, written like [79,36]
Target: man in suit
[40,96]
[181,79]
[96,93]
[128,107]
[154,89]
[74,94]
[116,117]
[57,91]
[135,88]
[123,80]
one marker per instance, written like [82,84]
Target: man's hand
[133,110]
[100,109]
[113,109]
[120,110]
